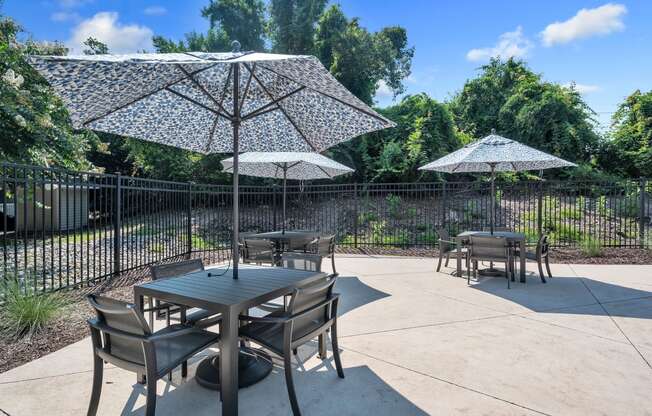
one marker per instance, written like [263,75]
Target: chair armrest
[102,327]
[264,319]
[448,241]
[179,330]
[160,307]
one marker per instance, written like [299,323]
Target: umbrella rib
[246,90]
[281,109]
[376,116]
[212,136]
[266,108]
[327,174]
[166,86]
[202,89]
[197,103]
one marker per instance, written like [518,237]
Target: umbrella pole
[236,197]
[285,183]
[493,199]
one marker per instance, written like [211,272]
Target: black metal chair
[311,313]
[540,255]
[325,247]
[301,261]
[489,248]
[196,317]
[447,247]
[121,336]
[259,251]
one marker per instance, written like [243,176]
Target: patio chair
[325,247]
[447,247]
[311,312]
[489,248]
[195,317]
[121,337]
[540,255]
[301,261]
[258,251]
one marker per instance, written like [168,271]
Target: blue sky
[603,47]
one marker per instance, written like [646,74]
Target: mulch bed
[71,326]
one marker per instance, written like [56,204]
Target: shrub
[570,214]
[591,247]
[603,207]
[25,311]
[368,216]
[394,205]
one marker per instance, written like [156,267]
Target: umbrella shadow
[355,293]
[572,295]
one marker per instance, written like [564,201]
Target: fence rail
[62,229]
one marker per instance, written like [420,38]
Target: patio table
[215,290]
[280,238]
[512,237]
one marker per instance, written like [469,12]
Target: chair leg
[543,278]
[508,272]
[287,362]
[448,257]
[548,267]
[150,406]
[439,263]
[468,274]
[336,350]
[98,370]
[333,264]
[322,346]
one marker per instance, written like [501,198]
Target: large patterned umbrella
[493,154]
[211,102]
[287,165]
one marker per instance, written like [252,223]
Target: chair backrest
[302,261]
[542,246]
[507,229]
[444,238]
[489,247]
[242,236]
[300,243]
[326,245]
[163,271]
[259,249]
[125,317]
[305,298]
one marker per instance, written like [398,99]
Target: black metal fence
[62,229]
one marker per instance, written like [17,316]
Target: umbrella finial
[235,46]
[493,132]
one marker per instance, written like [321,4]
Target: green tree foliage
[293,23]
[95,47]
[359,59]
[515,101]
[629,152]
[34,124]
[425,131]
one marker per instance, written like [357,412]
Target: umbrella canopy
[211,102]
[493,154]
[287,165]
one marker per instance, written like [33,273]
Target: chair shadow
[572,295]
[355,293]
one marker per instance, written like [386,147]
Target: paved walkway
[415,342]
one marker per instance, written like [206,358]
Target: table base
[253,365]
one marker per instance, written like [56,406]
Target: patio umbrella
[287,165]
[493,154]
[211,102]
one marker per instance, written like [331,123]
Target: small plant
[591,247]
[25,311]
[367,216]
[157,248]
[570,214]
[394,205]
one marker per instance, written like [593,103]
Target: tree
[515,101]
[629,152]
[292,25]
[34,124]
[95,47]
[360,60]
[241,20]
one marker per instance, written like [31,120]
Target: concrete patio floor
[417,342]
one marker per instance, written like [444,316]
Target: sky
[604,48]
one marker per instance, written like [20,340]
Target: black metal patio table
[512,237]
[214,289]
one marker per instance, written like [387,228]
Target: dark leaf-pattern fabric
[287,103]
[504,154]
[299,165]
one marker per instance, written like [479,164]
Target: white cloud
[155,10]
[383,90]
[65,17]
[105,27]
[582,88]
[510,44]
[586,23]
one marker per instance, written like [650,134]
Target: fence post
[117,217]
[189,224]
[355,213]
[275,188]
[444,206]
[642,212]
[540,210]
